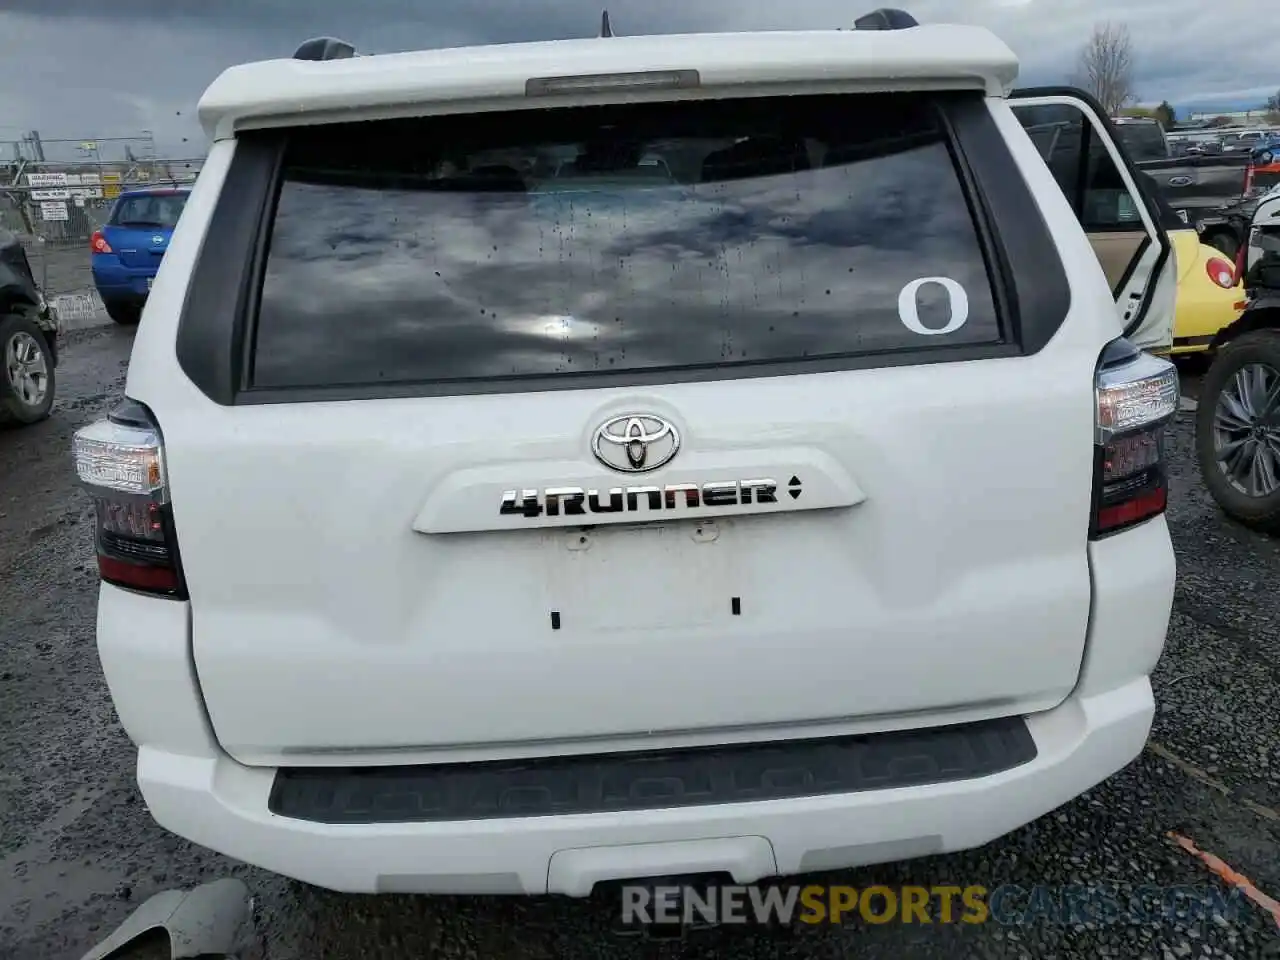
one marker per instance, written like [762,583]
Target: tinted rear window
[158,210]
[633,237]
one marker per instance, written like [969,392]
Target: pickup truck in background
[1196,186]
[1201,190]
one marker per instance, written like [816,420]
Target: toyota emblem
[157,239]
[635,443]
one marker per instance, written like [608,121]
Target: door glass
[1093,184]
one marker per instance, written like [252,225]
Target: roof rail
[886,18]
[324,48]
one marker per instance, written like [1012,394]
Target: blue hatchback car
[127,251]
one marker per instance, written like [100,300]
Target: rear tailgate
[518,463]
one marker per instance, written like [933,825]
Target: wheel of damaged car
[1238,430]
[26,372]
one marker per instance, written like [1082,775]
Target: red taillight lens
[121,462]
[1237,274]
[1137,397]
[1221,272]
[99,243]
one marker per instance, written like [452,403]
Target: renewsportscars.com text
[1008,904]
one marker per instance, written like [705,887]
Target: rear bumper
[116,282]
[195,790]
[222,805]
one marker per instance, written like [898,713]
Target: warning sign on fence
[46,179]
[111,185]
[50,195]
[54,210]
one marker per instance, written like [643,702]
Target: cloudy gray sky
[78,69]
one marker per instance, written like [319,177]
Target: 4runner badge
[581,501]
[635,443]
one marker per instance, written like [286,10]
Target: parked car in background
[1267,150]
[1241,141]
[1238,420]
[128,250]
[1266,176]
[1204,145]
[28,339]
[1197,187]
[1210,296]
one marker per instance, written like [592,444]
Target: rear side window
[624,238]
[151,210]
[1143,141]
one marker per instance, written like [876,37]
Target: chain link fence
[63,207]
[55,209]
[25,216]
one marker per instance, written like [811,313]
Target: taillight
[1221,272]
[121,462]
[1241,258]
[1137,397]
[98,243]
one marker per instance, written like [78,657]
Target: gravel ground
[78,851]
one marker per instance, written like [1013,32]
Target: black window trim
[1030,289]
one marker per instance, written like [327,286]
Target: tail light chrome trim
[121,462]
[1137,396]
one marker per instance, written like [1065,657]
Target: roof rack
[886,18]
[324,48]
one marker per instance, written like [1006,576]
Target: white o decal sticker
[909,310]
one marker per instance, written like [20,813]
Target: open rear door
[1118,209]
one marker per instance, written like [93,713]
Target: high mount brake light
[609,82]
[121,462]
[1136,398]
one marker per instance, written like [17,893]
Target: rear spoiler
[331,48]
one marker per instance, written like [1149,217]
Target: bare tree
[1105,66]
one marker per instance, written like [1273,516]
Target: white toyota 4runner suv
[563,462]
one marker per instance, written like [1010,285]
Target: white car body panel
[194,789]
[904,557]
[291,92]
[356,600]
[1264,230]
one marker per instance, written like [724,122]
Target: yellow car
[1209,298]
